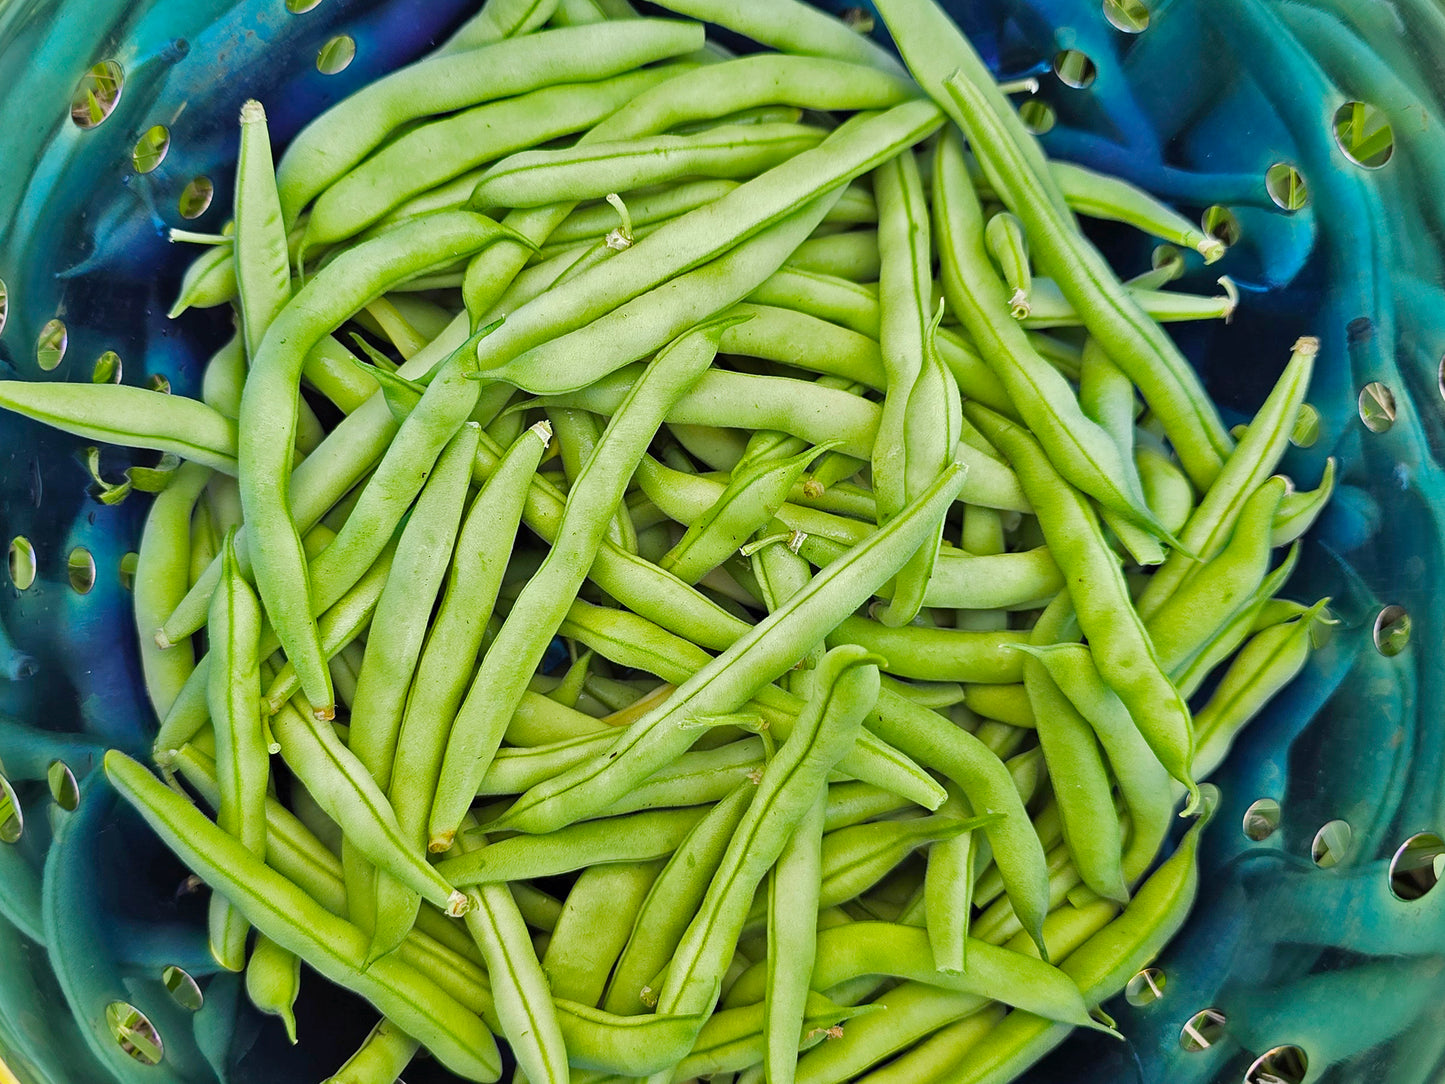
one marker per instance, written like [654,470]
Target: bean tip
[252,112]
[1308,345]
[1019,305]
[441,842]
[162,640]
[324,712]
[457,904]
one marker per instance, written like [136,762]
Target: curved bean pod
[519,645]
[535,178]
[129,417]
[332,946]
[161,582]
[752,662]
[636,837]
[1136,343]
[843,692]
[1106,615]
[1245,470]
[429,156]
[1080,449]
[273,981]
[268,414]
[342,136]
[383,1055]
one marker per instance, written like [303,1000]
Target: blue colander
[1317,949]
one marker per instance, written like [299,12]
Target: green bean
[1205,602]
[751,662]
[1138,345]
[380,1059]
[936,654]
[224,375]
[1101,965]
[273,981]
[988,786]
[498,19]
[1265,665]
[753,496]
[1052,309]
[904,287]
[1248,466]
[242,757]
[1005,703]
[636,837]
[850,255]
[261,257]
[593,928]
[933,47]
[849,304]
[519,986]
[398,630]
[348,794]
[671,902]
[933,421]
[1098,195]
[686,242]
[932,1059]
[268,416]
[161,582]
[209,281]
[1004,239]
[948,887]
[1143,782]
[789,27]
[589,171]
[342,136]
[1080,783]
[518,648]
[130,417]
[994,974]
[288,916]
[1166,488]
[1081,450]
[434,153]
[792,923]
[806,342]
[843,692]
[1299,510]
[1108,619]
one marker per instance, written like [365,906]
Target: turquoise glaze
[1196,108]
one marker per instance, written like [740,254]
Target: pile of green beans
[718,527]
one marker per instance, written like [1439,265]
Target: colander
[1307,132]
